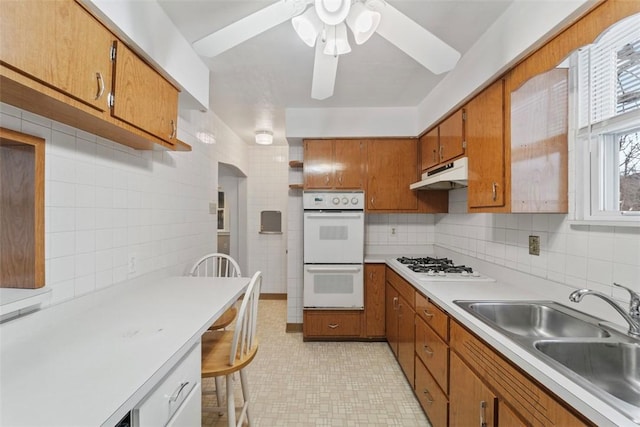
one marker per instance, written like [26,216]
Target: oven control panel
[337,200]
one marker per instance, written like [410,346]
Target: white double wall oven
[333,250]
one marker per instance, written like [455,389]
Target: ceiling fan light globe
[332,12]
[363,22]
[337,42]
[307,26]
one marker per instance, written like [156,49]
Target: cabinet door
[429,149]
[406,340]
[451,137]
[143,98]
[190,412]
[485,148]
[471,403]
[507,417]
[374,302]
[318,164]
[60,44]
[332,323]
[392,165]
[348,164]
[391,317]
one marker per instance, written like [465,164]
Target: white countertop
[444,293]
[88,361]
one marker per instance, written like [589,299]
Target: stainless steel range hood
[447,177]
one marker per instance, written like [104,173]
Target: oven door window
[337,286]
[334,237]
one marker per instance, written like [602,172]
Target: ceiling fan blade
[324,73]
[427,49]
[247,27]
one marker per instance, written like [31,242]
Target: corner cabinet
[334,164]
[392,165]
[486,148]
[77,79]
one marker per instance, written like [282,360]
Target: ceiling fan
[324,25]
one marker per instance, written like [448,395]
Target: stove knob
[464,273]
[442,273]
[431,273]
[335,200]
[475,274]
[345,200]
[354,200]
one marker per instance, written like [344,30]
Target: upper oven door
[333,237]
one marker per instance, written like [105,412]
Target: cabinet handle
[441,152]
[373,199]
[483,410]
[100,85]
[427,314]
[340,179]
[174,129]
[429,397]
[428,350]
[175,395]
[333,325]
[494,191]
[395,303]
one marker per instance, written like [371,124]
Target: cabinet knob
[428,350]
[427,314]
[333,325]
[175,395]
[429,397]
[483,415]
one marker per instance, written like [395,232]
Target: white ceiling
[253,83]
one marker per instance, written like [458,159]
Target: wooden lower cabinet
[374,303]
[472,402]
[400,322]
[332,323]
[521,398]
[434,401]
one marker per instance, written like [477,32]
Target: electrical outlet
[393,231]
[132,265]
[534,245]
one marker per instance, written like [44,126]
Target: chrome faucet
[632,317]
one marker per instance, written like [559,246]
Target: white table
[87,362]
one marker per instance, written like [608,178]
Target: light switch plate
[534,245]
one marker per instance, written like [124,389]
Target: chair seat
[225,320]
[216,347]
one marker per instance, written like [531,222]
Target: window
[606,82]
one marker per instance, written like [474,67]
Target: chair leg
[219,393]
[245,394]
[231,403]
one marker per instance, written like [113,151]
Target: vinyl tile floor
[322,384]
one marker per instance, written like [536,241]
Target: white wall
[267,190]
[105,202]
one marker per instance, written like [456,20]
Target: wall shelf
[295,186]
[296,164]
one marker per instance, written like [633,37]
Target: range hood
[446,177]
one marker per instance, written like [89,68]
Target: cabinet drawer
[323,323]
[431,398]
[160,404]
[433,315]
[433,352]
[402,286]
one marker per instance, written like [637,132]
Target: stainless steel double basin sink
[599,358]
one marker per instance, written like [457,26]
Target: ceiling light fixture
[328,17]
[337,42]
[264,137]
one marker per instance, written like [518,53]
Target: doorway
[232,213]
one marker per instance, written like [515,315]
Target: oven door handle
[333,216]
[334,269]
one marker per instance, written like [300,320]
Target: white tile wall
[267,190]
[578,256]
[105,202]
[294,242]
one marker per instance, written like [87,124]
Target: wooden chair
[227,352]
[218,265]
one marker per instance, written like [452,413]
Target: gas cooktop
[441,269]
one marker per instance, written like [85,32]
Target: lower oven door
[334,286]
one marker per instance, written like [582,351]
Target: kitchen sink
[599,358]
[539,319]
[613,367]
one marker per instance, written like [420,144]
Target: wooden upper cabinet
[334,164]
[451,139]
[429,149]
[392,165]
[485,148]
[142,97]
[59,44]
